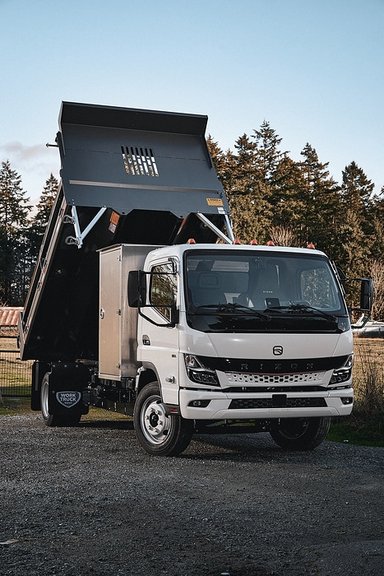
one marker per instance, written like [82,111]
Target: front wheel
[300,433]
[159,433]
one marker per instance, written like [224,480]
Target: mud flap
[68,389]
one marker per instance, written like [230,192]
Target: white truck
[141,301]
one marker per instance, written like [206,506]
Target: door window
[163,289]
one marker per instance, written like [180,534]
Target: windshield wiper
[303,308]
[229,309]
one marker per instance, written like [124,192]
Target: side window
[163,289]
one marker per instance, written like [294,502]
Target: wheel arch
[147,374]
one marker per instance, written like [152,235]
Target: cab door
[159,345]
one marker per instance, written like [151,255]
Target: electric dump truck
[141,301]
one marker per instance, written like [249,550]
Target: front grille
[278,401]
[274,389]
[248,378]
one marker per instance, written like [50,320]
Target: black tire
[70,418]
[158,433]
[300,433]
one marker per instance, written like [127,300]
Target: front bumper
[219,405]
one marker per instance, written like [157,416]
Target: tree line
[21,232]
[272,198]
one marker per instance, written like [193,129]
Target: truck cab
[255,335]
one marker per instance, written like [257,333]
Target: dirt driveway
[88,501]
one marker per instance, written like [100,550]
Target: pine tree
[44,206]
[320,199]
[247,192]
[280,179]
[286,199]
[33,235]
[376,221]
[357,227]
[218,158]
[356,190]
[14,210]
[268,154]
[14,206]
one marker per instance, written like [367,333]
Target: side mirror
[137,288]
[366,294]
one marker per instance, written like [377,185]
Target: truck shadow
[229,447]
[221,447]
[244,447]
[107,424]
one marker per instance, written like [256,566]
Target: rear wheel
[159,433]
[300,433]
[54,417]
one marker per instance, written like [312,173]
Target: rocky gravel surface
[87,501]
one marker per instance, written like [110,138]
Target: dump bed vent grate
[139,161]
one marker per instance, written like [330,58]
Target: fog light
[347,400]
[199,403]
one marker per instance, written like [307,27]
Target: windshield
[263,291]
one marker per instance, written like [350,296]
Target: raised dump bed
[128,176]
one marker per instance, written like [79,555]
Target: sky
[314,69]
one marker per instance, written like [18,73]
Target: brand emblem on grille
[278,350]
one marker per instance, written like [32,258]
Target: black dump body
[128,176]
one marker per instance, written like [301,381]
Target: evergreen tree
[33,235]
[320,199]
[219,159]
[356,190]
[44,207]
[287,201]
[357,227]
[14,206]
[247,192]
[376,218]
[14,210]
[268,154]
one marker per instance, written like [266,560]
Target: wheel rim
[294,429]
[155,424]
[44,399]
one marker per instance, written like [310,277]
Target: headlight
[199,373]
[342,374]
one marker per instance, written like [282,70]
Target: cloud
[34,163]
[22,153]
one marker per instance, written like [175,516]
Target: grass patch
[100,414]
[359,430]
[13,406]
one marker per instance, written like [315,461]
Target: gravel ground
[87,501]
